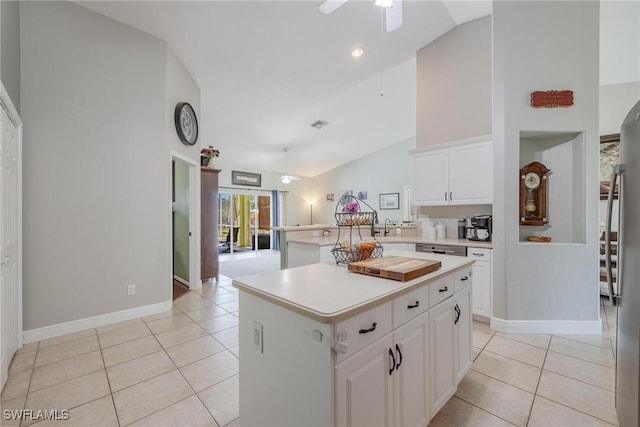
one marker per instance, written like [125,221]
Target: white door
[441,353]
[10,289]
[429,180]
[464,352]
[411,382]
[364,389]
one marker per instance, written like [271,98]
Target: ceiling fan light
[286,179]
[384,3]
[357,52]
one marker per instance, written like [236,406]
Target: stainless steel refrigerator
[627,293]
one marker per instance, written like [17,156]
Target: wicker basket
[354,218]
[345,256]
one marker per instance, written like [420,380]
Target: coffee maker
[481,228]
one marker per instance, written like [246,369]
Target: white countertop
[330,293]
[331,240]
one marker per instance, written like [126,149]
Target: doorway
[184,252]
[244,222]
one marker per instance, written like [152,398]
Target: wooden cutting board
[395,267]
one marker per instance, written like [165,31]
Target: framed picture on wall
[390,201]
[246,178]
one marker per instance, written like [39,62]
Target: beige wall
[454,85]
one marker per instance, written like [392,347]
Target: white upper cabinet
[459,173]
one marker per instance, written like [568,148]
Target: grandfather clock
[533,194]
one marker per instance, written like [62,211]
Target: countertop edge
[330,241]
[354,309]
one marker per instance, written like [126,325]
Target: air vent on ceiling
[319,124]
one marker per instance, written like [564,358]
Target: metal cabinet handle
[371,329]
[458,312]
[464,279]
[476,254]
[399,357]
[445,289]
[392,359]
[417,304]
[445,196]
[450,196]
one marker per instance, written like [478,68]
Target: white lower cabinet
[463,334]
[385,383]
[364,388]
[442,345]
[481,280]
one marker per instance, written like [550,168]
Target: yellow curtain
[244,235]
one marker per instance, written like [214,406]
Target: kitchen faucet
[386,232]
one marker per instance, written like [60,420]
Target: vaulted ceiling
[268,69]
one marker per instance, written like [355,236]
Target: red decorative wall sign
[551,98]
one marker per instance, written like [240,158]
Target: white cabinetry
[385,383]
[442,346]
[481,281]
[464,352]
[461,173]
[364,388]
[395,364]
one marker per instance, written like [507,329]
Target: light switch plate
[257,337]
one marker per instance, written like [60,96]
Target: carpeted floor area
[246,265]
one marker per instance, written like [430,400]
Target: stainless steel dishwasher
[441,249]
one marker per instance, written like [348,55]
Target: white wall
[385,171]
[10,49]
[544,281]
[97,213]
[615,102]
[454,85]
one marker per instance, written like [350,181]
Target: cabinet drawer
[440,289]
[479,254]
[462,279]
[359,331]
[409,305]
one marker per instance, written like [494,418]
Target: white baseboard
[51,331]
[565,327]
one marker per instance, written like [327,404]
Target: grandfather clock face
[533,194]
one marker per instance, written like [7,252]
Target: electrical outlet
[131,290]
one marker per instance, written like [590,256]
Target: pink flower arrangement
[351,207]
[210,152]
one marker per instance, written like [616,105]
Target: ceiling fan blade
[393,16]
[329,6]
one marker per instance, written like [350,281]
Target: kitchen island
[324,346]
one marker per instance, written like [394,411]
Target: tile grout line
[106,374]
[26,396]
[535,393]
[477,407]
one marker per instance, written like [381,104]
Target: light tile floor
[180,368]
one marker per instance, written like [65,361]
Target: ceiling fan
[286,178]
[392,15]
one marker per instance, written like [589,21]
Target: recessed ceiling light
[357,52]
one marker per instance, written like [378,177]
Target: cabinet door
[411,379]
[364,387]
[441,353]
[471,173]
[429,179]
[481,284]
[464,353]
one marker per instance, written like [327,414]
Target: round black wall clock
[186,123]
